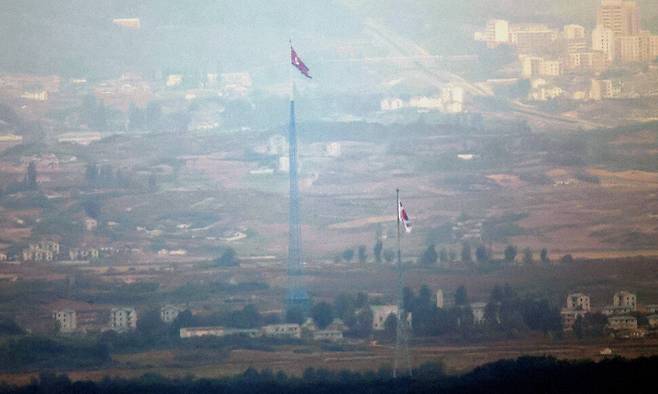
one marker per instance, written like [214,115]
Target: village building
[610,310]
[569,317]
[282,330]
[66,320]
[77,254]
[194,332]
[478,308]
[579,302]
[41,252]
[577,306]
[622,323]
[328,335]
[123,319]
[380,313]
[169,313]
[625,299]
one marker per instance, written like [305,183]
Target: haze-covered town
[435,187]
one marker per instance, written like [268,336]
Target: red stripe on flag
[296,61]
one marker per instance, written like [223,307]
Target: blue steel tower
[297,295]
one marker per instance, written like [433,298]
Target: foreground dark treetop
[524,375]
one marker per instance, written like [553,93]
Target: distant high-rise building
[642,47]
[497,31]
[620,16]
[603,39]
[574,32]
[627,49]
[587,61]
[532,38]
[533,66]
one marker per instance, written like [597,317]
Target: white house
[66,318]
[169,313]
[282,330]
[123,319]
[380,313]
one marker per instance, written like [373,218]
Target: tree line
[522,375]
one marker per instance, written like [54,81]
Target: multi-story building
[123,319]
[642,47]
[169,313]
[625,299]
[531,38]
[380,313]
[569,317]
[620,16]
[532,66]
[66,319]
[573,32]
[605,89]
[577,306]
[628,49]
[653,47]
[622,323]
[83,253]
[580,45]
[41,251]
[550,68]
[578,302]
[496,33]
[590,61]
[603,39]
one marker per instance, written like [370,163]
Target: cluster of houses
[70,321]
[120,319]
[622,314]
[333,332]
[49,251]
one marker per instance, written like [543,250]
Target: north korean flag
[298,63]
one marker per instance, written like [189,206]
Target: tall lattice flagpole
[297,295]
[402,331]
